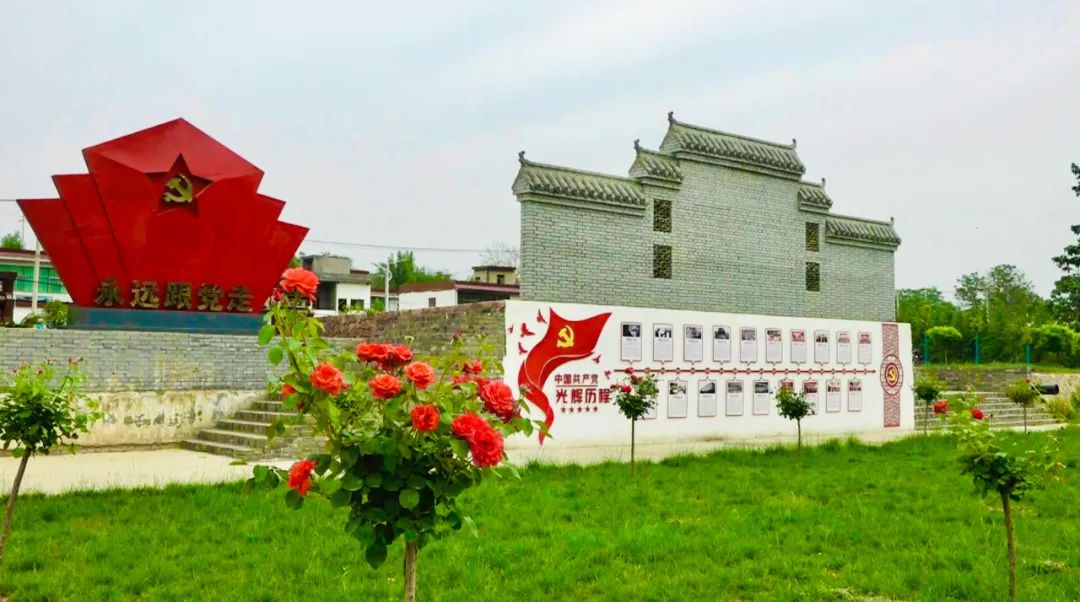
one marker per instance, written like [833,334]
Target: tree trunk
[926,421]
[632,423]
[798,425]
[11,502]
[1025,418]
[410,571]
[1011,543]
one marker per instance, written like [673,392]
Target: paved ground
[65,472]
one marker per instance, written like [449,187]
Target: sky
[398,124]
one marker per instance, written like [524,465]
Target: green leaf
[293,499]
[275,354]
[460,447]
[349,456]
[472,526]
[375,554]
[266,334]
[374,479]
[409,498]
[340,498]
[18,452]
[260,473]
[329,486]
[351,482]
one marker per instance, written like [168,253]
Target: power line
[394,247]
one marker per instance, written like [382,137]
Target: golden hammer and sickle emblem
[178,190]
[566,337]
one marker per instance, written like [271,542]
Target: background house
[341,288]
[50,288]
[489,283]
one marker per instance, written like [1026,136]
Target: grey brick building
[711,221]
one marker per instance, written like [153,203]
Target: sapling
[928,390]
[793,406]
[634,400]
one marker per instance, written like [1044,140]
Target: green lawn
[843,522]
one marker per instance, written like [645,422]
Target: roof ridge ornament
[823,181]
[637,144]
[671,116]
[521,158]
[794,143]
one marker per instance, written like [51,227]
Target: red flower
[941,407]
[399,354]
[425,418]
[635,379]
[460,378]
[420,374]
[328,378]
[498,399]
[372,352]
[629,371]
[977,413]
[467,425]
[277,295]
[300,476]
[626,389]
[472,367]
[457,335]
[385,386]
[287,390]
[486,447]
[300,281]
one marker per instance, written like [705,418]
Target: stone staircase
[999,411]
[243,435]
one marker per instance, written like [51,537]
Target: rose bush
[634,400]
[404,438]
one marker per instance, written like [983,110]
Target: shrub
[945,339]
[1023,393]
[928,390]
[1054,344]
[1062,408]
[56,314]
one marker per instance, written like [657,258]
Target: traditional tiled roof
[731,148]
[539,180]
[854,229]
[652,164]
[813,198]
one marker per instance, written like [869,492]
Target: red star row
[579,409]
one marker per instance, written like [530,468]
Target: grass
[842,522]
[998,366]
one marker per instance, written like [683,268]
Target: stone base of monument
[107,318]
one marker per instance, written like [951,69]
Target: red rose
[626,389]
[399,354]
[300,281]
[328,378]
[486,447]
[372,352]
[457,335]
[420,374]
[467,425]
[300,476]
[425,418]
[629,371]
[498,399]
[385,386]
[287,390]
[941,407]
[977,413]
[472,367]
[460,378]
[635,379]
[277,295]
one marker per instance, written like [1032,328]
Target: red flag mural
[564,341]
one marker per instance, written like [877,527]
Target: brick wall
[160,361]
[738,245]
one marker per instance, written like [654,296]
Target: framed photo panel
[663,343]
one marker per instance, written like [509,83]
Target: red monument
[168,218]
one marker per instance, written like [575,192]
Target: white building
[50,288]
[341,288]
[421,295]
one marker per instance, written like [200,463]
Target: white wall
[420,300]
[605,426]
[350,291]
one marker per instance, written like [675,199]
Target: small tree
[37,416]
[793,406]
[944,339]
[928,390]
[634,400]
[11,241]
[1001,465]
[1023,393]
[56,314]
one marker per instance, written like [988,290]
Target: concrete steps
[243,435]
[998,409]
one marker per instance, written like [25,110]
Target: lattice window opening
[813,236]
[662,261]
[661,215]
[813,276]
